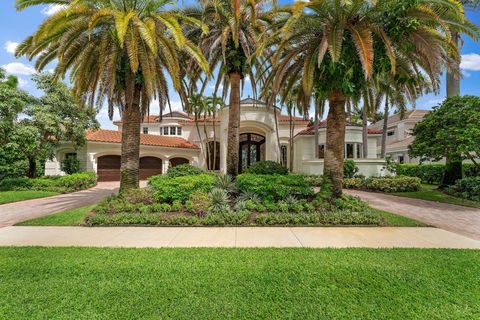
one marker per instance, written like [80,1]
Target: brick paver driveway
[461,220]
[12,213]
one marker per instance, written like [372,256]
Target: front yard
[15,196]
[432,193]
[86,283]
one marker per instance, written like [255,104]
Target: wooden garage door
[178,161]
[108,168]
[150,166]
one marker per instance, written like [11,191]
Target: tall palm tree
[119,51]
[230,46]
[338,46]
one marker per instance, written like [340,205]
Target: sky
[16,26]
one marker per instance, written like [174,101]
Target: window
[173,131]
[284,155]
[145,130]
[349,151]
[321,151]
[359,150]
[179,131]
[391,133]
[165,131]
[401,159]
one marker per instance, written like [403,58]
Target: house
[399,134]
[176,138]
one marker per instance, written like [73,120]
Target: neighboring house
[174,139]
[399,135]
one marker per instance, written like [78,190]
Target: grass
[14,196]
[394,220]
[96,283]
[431,193]
[71,217]
[75,217]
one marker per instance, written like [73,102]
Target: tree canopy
[452,129]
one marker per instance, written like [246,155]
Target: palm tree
[337,46]
[196,106]
[119,51]
[230,46]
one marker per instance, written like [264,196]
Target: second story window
[173,131]
[390,133]
[165,131]
[145,130]
[179,131]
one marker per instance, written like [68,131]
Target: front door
[250,150]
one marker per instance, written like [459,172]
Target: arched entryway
[213,160]
[251,150]
[150,166]
[178,161]
[108,168]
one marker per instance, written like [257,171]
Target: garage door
[178,161]
[108,168]
[150,166]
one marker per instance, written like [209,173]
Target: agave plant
[225,182]
[249,195]
[219,200]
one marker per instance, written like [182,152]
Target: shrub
[320,218]
[226,218]
[468,188]
[184,170]
[275,187]
[201,202]
[471,170]
[428,173]
[169,189]
[225,182]
[219,200]
[71,165]
[350,168]
[353,183]
[267,167]
[62,184]
[177,205]
[138,196]
[394,184]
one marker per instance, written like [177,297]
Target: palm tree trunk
[316,125]
[233,124]
[278,135]
[383,151]
[335,148]
[365,132]
[207,144]
[291,142]
[453,81]
[214,140]
[131,119]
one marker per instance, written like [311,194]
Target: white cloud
[22,83]
[10,46]
[52,9]
[470,62]
[434,102]
[18,68]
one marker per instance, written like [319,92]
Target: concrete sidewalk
[241,237]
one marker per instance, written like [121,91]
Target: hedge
[184,170]
[168,189]
[267,167]
[468,188]
[275,187]
[433,173]
[61,184]
[385,184]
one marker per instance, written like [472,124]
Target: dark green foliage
[168,188]
[350,169]
[453,171]
[267,167]
[323,218]
[467,188]
[184,170]
[275,187]
[433,173]
[71,165]
[61,184]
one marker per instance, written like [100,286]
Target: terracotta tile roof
[156,118]
[374,131]
[286,118]
[145,139]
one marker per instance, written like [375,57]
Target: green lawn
[430,192]
[87,283]
[75,217]
[72,217]
[14,196]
